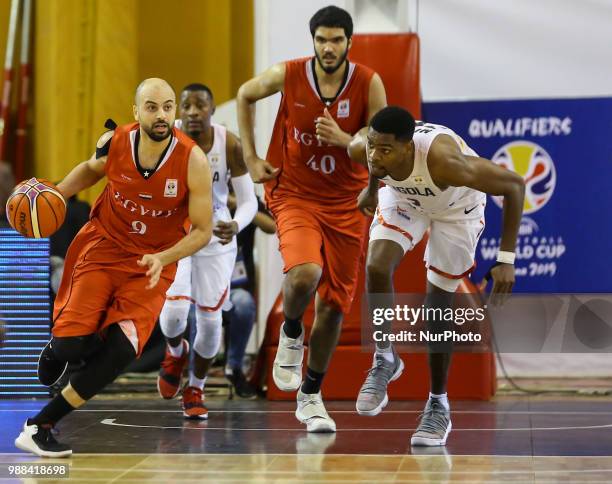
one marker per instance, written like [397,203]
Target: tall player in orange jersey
[122,262]
[311,188]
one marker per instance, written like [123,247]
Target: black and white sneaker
[39,440]
[50,369]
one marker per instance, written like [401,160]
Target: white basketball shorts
[204,280]
[453,236]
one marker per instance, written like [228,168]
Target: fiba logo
[535,165]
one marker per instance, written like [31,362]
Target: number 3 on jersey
[138,227]
[326,165]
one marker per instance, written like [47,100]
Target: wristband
[506,257]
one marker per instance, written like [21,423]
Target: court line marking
[111,421]
[125,470]
[213,410]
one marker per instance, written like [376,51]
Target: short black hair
[196,86]
[394,120]
[332,16]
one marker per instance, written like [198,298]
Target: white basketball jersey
[420,190]
[217,160]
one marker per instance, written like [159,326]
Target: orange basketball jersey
[141,210]
[312,170]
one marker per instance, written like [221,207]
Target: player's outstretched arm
[200,214]
[259,87]
[449,167]
[87,173]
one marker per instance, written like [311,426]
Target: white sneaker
[39,440]
[311,411]
[287,371]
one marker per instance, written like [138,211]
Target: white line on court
[214,410]
[111,421]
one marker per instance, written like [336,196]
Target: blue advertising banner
[563,150]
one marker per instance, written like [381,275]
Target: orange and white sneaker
[171,373]
[193,404]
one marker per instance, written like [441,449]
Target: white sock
[442,398]
[194,381]
[176,351]
[387,353]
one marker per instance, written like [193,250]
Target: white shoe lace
[314,399]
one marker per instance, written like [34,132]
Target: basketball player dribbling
[122,262]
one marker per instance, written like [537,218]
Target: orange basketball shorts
[327,236]
[102,284]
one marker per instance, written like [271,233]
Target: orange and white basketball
[36,208]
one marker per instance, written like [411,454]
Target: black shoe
[243,388]
[50,369]
[39,440]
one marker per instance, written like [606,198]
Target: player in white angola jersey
[433,180]
[205,277]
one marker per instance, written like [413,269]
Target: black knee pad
[120,346]
[73,348]
[116,353]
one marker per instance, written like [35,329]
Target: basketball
[36,208]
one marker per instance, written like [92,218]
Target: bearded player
[121,263]
[311,186]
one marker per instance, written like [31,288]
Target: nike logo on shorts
[466,211]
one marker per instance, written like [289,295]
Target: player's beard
[331,69]
[155,136]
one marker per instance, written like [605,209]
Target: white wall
[484,49]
